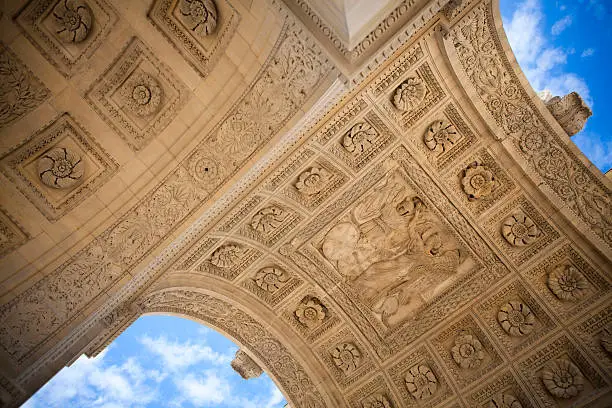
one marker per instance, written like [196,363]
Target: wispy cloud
[561,25]
[587,53]
[178,355]
[203,390]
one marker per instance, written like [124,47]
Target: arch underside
[426,205]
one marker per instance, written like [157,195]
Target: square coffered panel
[12,235]
[67,32]
[58,167]
[199,29]
[138,96]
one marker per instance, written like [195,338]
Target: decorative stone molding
[12,235]
[570,111]
[58,167]
[199,30]
[245,366]
[20,91]
[67,32]
[138,96]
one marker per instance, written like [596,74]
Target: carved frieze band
[483,59]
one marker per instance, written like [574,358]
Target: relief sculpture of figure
[394,251]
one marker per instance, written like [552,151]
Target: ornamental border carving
[12,233]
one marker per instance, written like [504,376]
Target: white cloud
[543,63]
[203,390]
[588,52]
[561,25]
[596,148]
[178,355]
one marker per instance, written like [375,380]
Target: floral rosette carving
[271,278]
[310,312]
[567,283]
[205,170]
[421,382]
[505,401]
[60,167]
[73,20]
[441,135]
[478,181]
[347,357]
[562,378]
[516,318]
[142,94]
[376,401]
[520,230]
[409,94]
[312,181]
[467,351]
[226,256]
[359,138]
[199,15]
[268,219]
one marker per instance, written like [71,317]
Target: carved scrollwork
[359,138]
[60,167]
[271,278]
[268,219]
[310,312]
[505,401]
[312,181]
[73,20]
[376,401]
[142,94]
[468,351]
[409,94]
[520,230]
[441,135]
[421,382]
[478,181]
[346,357]
[199,15]
[562,378]
[226,255]
[516,318]
[567,283]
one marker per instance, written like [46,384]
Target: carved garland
[481,54]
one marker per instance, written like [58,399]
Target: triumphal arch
[367,196]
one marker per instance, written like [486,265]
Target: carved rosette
[312,181]
[310,312]
[562,378]
[478,181]
[570,111]
[409,94]
[346,357]
[421,382]
[245,366]
[142,94]
[441,135]
[205,169]
[60,167]
[359,138]
[200,16]
[268,219]
[505,401]
[520,230]
[567,283]
[271,278]
[516,318]
[73,20]
[467,351]
[226,256]
[376,401]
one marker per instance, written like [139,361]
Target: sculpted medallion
[393,251]
[74,20]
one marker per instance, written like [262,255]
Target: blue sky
[564,46]
[163,361]
[159,361]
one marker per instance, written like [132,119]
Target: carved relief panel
[12,235]
[67,32]
[138,96]
[228,260]
[58,167]
[199,29]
